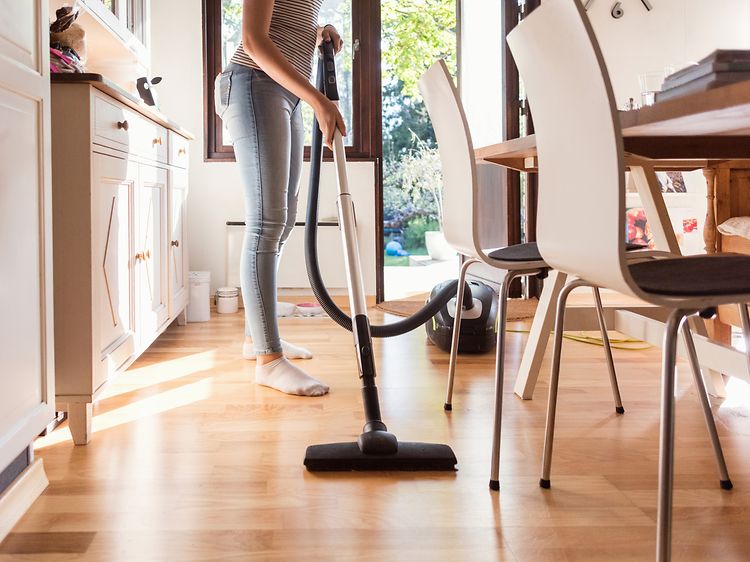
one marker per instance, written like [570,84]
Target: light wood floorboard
[190,461]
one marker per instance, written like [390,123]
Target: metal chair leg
[562,299]
[666,439]
[700,386]
[448,406]
[499,376]
[745,319]
[608,352]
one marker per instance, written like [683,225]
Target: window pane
[335,12]
[339,14]
[231,29]
[110,5]
[231,38]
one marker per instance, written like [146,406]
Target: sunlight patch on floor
[151,406]
[137,378]
[738,394]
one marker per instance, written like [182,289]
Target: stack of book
[720,68]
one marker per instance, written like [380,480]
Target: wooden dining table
[707,131]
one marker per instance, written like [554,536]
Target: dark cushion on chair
[518,252]
[530,252]
[697,276]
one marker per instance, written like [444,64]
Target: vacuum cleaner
[376,448]
[478,322]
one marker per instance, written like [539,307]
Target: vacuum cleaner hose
[326,83]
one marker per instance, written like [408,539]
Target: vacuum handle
[331,87]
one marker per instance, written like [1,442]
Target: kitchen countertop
[110,88]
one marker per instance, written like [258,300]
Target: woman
[258,98]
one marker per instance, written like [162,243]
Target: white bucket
[227,300]
[198,309]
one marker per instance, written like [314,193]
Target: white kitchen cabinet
[114,185]
[178,263]
[152,250]
[26,312]
[120,190]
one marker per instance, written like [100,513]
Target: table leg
[649,189]
[709,228]
[544,319]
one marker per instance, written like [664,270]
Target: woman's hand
[329,118]
[330,34]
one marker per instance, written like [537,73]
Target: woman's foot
[282,375]
[290,351]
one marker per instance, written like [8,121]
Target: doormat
[518,309]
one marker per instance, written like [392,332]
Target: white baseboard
[18,497]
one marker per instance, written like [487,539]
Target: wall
[215,190]
[674,33]
[481,69]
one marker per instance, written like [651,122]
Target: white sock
[290,351]
[288,378]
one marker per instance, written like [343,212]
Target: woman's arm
[256,23]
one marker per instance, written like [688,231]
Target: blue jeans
[265,123]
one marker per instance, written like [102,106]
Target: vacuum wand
[376,448]
[375,437]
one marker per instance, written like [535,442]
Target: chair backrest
[581,204]
[456,158]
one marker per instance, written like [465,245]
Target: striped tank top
[294,30]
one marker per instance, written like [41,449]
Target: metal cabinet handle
[148,254]
[139,256]
[157,141]
[175,243]
[182,152]
[124,125]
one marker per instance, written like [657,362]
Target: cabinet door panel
[20,290]
[19,39]
[178,265]
[114,184]
[26,339]
[151,269]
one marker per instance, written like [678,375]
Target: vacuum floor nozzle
[345,457]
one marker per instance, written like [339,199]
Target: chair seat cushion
[697,276]
[530,252]
[517,252]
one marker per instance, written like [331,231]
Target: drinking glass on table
[651,82]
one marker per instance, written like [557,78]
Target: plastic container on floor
[198,309]
[227,300]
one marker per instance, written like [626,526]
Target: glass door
[415,33]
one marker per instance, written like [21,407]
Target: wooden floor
[190,461]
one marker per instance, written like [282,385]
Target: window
[133,15]
[358,21]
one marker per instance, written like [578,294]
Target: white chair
[582,173]
[460,220]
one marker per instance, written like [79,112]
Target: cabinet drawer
[120,128]
[178,150]
[111,125]
[150,140]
